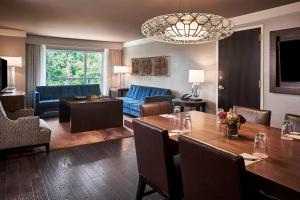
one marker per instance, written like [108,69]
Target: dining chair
[157,108]
[254,115]
[157,167]
[210,173]
[295,119]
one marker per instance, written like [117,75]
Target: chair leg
[140,189]
[47,148]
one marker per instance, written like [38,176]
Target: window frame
[86,79]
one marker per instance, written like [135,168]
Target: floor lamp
[121,71]
[12,63]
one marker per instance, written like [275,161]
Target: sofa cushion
[49,92]
[70,91]
[89,90]
[136,105]
[50,103]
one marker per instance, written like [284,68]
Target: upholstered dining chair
[157,108]
[209,173]
[156,165]
[295,119]
[254,115]
[22,129]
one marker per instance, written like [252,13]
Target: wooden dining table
[278,174]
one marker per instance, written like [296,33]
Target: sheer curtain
[35,68]
[112,57]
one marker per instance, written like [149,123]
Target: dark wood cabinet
[118,92]
[13,101]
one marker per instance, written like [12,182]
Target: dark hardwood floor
[105,170]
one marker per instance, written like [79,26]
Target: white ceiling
[109,20]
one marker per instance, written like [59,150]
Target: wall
[15,46]
[181,58]
[203,56]
[279,104]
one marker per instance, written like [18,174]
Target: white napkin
[175,132]
[168,116]
[295,133]
[249,159]
[297,137]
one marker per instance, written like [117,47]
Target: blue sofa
[138,95]
[45,99]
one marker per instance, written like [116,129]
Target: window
[72,67]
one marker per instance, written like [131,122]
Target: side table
[118,92]
[199,105]
[13,101]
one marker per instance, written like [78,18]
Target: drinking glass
[176,109]
[187,124]
[260,146]
[286,129]
[219,111]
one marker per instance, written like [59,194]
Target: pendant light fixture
[187,28]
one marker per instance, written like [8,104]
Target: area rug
[62,138]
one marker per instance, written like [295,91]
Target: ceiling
[109,20]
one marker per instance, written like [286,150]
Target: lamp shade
[196,76]
[13,61]
[120,69]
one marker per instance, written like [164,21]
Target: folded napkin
[249,159]
[297,137]
[168,116]
[295,133]
[175,132]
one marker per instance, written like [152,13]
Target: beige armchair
[23,129]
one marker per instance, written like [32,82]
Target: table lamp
[196,77]
[121,70]
[12,63]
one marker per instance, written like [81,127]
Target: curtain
[112,57]
[35,68]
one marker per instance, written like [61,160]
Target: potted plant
[232,121]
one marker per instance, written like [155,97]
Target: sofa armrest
[20,113]
[151,99]
[35,100]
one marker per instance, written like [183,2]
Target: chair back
[295,119]
[153,156]
[157,108]
[210,173]
[254,115]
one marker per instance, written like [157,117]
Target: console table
[13,101]
[199,105]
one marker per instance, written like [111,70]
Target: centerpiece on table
[232,121]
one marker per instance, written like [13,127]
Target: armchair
[22,129]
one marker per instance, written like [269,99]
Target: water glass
[287,129]
[220,110]
[187,124]
[176,109]
[260,146]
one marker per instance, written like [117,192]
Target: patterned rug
[62,138]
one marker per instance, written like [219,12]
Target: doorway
[240,69]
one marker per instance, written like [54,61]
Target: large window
[71,67]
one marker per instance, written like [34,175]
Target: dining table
[278,174]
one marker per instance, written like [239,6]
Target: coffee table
[88,114]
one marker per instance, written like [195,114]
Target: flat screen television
[289,61]
[3,74]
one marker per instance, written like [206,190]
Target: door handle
[220,87]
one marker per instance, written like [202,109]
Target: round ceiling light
[187,28]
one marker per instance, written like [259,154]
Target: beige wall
[181,58]
[15,46]
[203,56]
